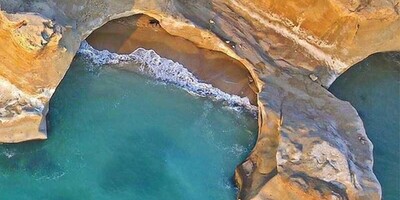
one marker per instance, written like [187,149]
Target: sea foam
[165,70]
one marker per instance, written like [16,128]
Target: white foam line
[11,92]
[168,71]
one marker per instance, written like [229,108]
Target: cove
[115,134]
[373,88]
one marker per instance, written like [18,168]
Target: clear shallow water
[118,135]
[373,88]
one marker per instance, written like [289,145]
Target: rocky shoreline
[310,145]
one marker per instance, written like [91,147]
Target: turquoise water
[119,135]
[373,88]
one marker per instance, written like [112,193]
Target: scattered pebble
[251,80]
[49,24]
[362,139]
[313,77]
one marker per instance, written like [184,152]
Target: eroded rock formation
[310,146]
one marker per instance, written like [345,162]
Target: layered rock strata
[310,145]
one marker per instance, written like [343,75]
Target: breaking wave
[167,71]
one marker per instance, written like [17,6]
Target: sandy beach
[127,34]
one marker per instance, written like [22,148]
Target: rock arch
[288,54]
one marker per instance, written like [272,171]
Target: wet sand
[127,34]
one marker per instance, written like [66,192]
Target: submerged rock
[309,143]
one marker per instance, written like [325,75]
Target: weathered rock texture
[310,146]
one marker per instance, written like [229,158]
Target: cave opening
[372,86]
[184,147]
[124,35]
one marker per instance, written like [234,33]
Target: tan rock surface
[310,146]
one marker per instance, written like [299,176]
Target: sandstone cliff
[310,146]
